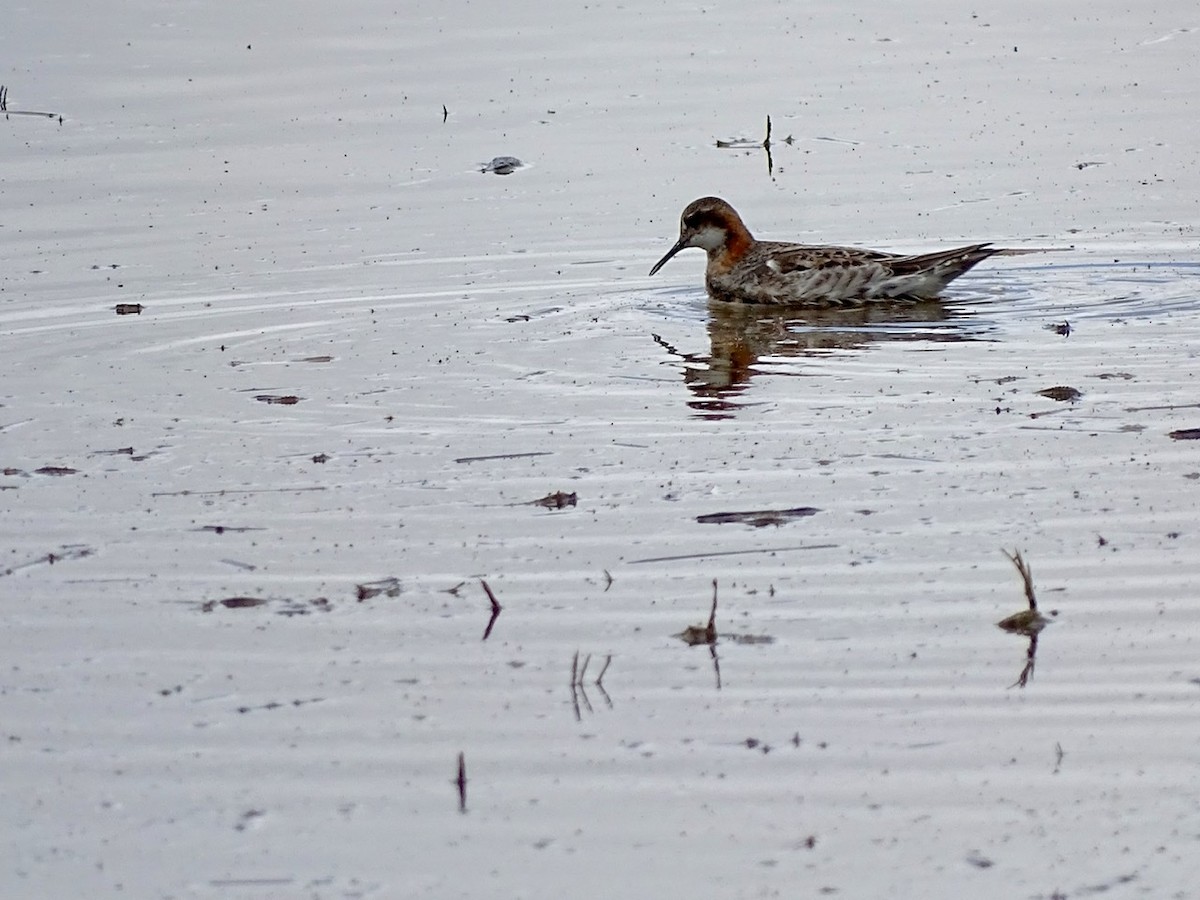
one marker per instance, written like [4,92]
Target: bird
[742,269]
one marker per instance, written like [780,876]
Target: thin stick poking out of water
[461,781]
[1026,576]
[496,607]
[22,112]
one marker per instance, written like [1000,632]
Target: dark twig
[1028,622]
[600,677]
[496,607]
[767,147]
[461,781]
[575,686]
[1026,576]
[22,112]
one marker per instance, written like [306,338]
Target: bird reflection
[743,338]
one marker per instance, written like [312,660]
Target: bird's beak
[679,245]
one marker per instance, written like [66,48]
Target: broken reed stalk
[767,141]
[712,616]
[461,781]
[583,670]
[1026,576]
[600,677]
[22,112]
[496,607]
[575,669]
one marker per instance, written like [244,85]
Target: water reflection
[749,341]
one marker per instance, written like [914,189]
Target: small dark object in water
[55,470]
[702,634]
[1183,434]
[461,782]
[502,165]
[758,518]
[1061,392]
[389,586]
[233,603]
[129,309]
[287,400]
[557,500]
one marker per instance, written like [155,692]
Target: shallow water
[361,358]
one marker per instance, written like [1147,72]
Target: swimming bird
[744,270]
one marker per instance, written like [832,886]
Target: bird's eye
[691,221]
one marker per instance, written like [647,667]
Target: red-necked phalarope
[744,270]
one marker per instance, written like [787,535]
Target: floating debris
[23,112]
[1030,621]
[1185,434]
[475,459]
[55,470]
[758,518]
[461,782]
[66,552]
[748,638]
[1061,392]
[1026,622]
[233,603]
[702,634]
[502,165]
[751,143]
[285,400]
[285,607]
[557,500]
[496,609]
[579,697]
[129,309]
[389,586]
